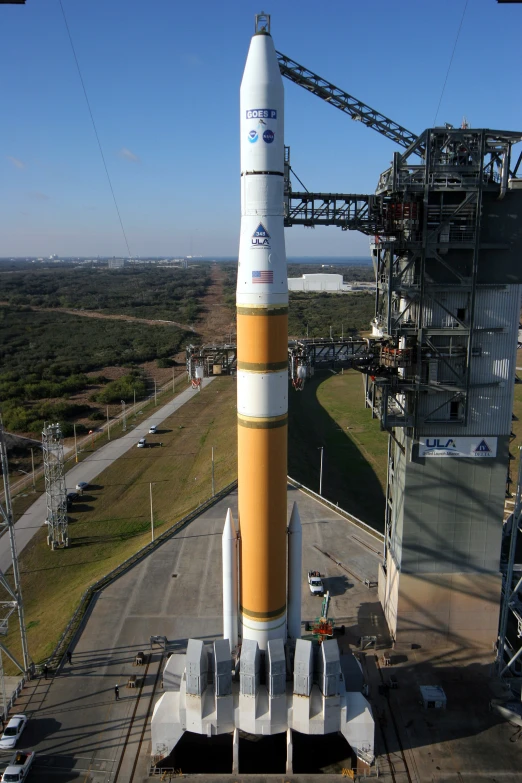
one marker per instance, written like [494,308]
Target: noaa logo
[252,136]
[268,136]
[260,237]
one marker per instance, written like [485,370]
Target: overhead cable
[95,129]
[450,62]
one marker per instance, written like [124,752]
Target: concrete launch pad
[80,733]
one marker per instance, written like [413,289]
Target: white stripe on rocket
[262,394]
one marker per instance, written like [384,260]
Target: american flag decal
[263,277]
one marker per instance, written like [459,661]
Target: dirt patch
[217,324]
[111,317]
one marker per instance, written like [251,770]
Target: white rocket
[265,609]
[262,561]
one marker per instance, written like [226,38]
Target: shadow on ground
[348,478]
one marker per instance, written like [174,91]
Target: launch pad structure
[440,365]
[445,221]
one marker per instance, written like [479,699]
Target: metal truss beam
[342,100]
[509,594]
[349,211]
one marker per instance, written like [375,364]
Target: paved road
[80,733]
[87,470]
[76,727]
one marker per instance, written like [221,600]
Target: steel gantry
[343,101]
[445,218]
[509,650]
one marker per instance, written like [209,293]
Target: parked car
[81,486]
[152,430]
[18,767]
[71,497]
[12,732]
[315,583]
[142,443]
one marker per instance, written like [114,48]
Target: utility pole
[134,403]
[75,444]
[321,449]
[151,512]
[173,381]
[123,417]
[213,484]
[108,425]
[331,333]
[342,331]
[155,394]
[34,481]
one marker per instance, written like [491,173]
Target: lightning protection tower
[55,490]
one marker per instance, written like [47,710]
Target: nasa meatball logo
[252,136]
[268,136]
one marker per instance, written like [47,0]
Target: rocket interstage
[262,350]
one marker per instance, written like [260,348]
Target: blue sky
[163,82]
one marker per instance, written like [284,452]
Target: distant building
[317,282]
[332,283]
[116,263]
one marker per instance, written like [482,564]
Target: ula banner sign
[446,446]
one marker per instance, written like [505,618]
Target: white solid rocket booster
[230,605]
[295,557]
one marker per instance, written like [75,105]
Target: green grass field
[113,519]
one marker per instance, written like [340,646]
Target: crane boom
[345,102]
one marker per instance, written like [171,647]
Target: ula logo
[483,448]
[440,443]
[260,237]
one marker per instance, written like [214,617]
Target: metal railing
[9,703]
[346,514]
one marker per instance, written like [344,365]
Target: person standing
[117,692]
[69,657]
[45,670]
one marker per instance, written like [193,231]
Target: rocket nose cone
[262,64]
[295,520]
[229,530]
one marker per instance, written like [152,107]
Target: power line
[95,130]
[450,62]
